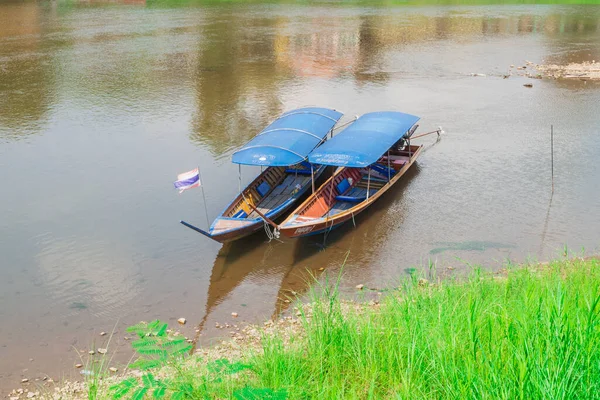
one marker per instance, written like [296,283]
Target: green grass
[531,333]
[180,3]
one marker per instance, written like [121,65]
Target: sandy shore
[586,70]
[235,342]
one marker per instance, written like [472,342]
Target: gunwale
[226,228]
[318,225]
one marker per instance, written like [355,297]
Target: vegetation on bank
[178,3]
[532,332]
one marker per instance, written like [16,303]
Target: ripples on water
[101,107]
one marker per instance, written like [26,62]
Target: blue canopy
[288,139]
[363,142]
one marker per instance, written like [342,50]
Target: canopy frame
[361,144]
[290,138]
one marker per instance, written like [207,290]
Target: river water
[101,106]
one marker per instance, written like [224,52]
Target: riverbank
[531,329]
[585,70]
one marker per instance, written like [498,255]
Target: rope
[275,234]
[327,232]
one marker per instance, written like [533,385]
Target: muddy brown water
[102,106]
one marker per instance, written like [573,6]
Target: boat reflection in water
[261,279]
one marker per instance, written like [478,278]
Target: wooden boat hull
[297,226]
[285,189]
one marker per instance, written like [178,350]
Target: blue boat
[372,154]
[283,148]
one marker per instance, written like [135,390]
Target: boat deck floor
[280,194]
[340,206]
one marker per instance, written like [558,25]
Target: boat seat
[298,171]
[240,214]
[374,179]
[263,189]
[356,195]
[343,186]
[351,199]
[383,169]
[303,168]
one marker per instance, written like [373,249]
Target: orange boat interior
[349,187]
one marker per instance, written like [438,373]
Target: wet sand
[585,70]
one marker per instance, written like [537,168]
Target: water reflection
[290,267]
[237,80]
[27,81]
[121,98]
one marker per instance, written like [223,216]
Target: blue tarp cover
[288,139]
[363,142]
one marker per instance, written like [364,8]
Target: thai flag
[187,180]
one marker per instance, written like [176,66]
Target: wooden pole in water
[552,154]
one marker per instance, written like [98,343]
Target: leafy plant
[156,349]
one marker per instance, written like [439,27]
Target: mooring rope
[275,234]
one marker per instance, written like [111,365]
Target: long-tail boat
[372,154]
[283,148]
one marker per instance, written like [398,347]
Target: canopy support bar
[306,112]
[368,182]
[312,178]
[288,129]
[389,171]
[302,158]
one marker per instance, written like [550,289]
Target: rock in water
[234,314]
[102,333]
[182,321]
[359,287]
[102,351]
[24,380]
[78,365]
[113,369]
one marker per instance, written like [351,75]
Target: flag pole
[204,198]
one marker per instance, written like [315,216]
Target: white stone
[360,286]
[102,351]
[234,314]
[102,333]
[113,369]
[182,321]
